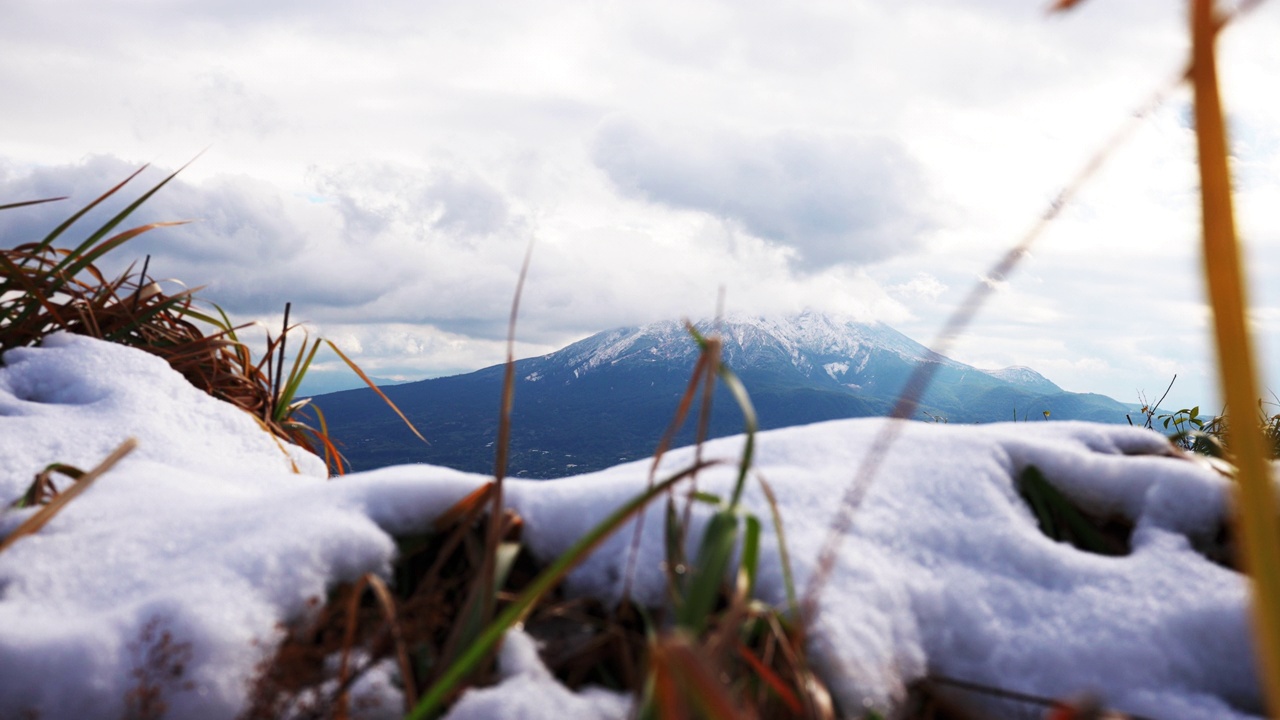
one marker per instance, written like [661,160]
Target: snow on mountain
[809,341]
[1024,377]
[621,388]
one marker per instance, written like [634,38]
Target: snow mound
[195,548]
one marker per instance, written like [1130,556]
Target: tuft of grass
[47,288]
[1209,435]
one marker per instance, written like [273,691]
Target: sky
[385,167]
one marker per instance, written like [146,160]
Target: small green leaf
[751,553]
[718,542]
[708,498]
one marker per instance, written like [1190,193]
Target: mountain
[608,398]
[1024,377]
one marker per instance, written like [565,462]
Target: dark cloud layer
[834,201]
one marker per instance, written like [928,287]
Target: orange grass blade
[509,384]
[293,466]
[666,693]
[90,256]
[771,678]
[695,675]
[388,606]
[37,521]
[356,369]
[1063,5]
[493,536]
[468,506]
[1256,502]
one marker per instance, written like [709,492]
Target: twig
[1009,694]
[284,337]
[501,453]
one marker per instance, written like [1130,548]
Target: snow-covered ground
[205,534]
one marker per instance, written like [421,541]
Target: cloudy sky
[384,166]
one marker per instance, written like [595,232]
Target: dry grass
[47,288]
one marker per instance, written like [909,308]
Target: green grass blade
[711,565]
[296,375]
[751,553]
[102,232]
[750,423]
[57,232]
[793,600]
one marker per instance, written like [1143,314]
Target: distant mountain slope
[1024,377]
[608,398]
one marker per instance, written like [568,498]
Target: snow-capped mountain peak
[807,341]
[1024,377]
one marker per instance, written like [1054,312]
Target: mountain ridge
[608,397]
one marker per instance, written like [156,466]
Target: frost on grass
[192,551]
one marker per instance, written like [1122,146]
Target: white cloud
[922,286]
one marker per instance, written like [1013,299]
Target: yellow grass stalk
[33,524]
[1255,512]
[388,606]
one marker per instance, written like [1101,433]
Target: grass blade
[356,369]
[387,604]
[57,232]
[784,557]
[706,579]
[26,203]
[1256,506]
[41,518]
[751,552]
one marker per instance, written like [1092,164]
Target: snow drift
[203,541]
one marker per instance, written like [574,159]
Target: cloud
[375,197]
[923,286]
[846,200]
[253,247]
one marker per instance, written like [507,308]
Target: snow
[1025,377]
[836,369]
[529,691]
[207,534]
[748,339]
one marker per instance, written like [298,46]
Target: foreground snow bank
[197,546]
